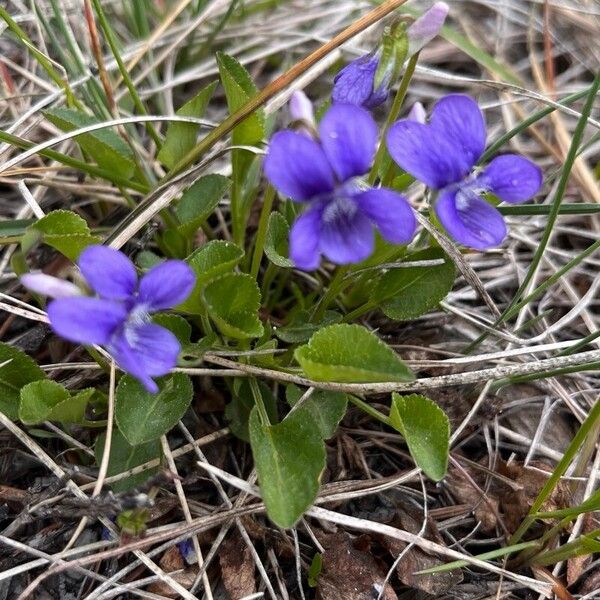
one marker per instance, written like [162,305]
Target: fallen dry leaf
[349,573]
[411,520]
[237,568]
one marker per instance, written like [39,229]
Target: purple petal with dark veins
[469,219]
[145,351]
[86,320]
[296,166]
[349,140]
[390,212]
[354,83]
[512,178]
[346,232]
[166,285]
[304,239]
[108,272]
[445,150]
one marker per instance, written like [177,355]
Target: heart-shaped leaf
[324,408]
[289,458]
[208,262]
[65,231]
[276,241]
[16,370]
[107,148]
[181,137]
[123,456]
[47,400]
[408,293]
[426,429]
[350,353]
[232,301]
[143,416]
[199,201]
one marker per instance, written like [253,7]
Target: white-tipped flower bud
[50,286]
[426,27]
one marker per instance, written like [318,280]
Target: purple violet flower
[119,319]
[342,212]
[355,83]
[442,154]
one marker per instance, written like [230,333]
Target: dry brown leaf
[237,568]
[349,573]
[498,497]
[170,562]
[409,519]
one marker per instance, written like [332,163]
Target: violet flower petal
[109,272]
[166,285]
[354,83]
[459,119]
[86,320]
[50,286]
[469,219]
[444,151]
[349,140]
[512,178]
[390,212]
[297,167]
[424,153]
[346,233]
[304,239]
[145,351]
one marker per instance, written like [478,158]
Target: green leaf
[276,241]
[324,408]
[426,429]
[239,88]
[232,301]
[315,570]
[176,325]
[143,416]
[181,137]
[124,456]
[65,231]
[289,458]
[301,328]
[47,400]
[210,261]
[408,293]
[107,148]
[242,402]
[16,370]
[199,200]
[350,353]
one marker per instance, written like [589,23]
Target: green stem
[336,285]
[367,408]
[393,115]
[260,405]
[359,311]
[261,234]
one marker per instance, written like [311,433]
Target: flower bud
[46,285]
[354,84]
[417,113]
[426,27]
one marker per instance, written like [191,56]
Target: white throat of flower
[138,316]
